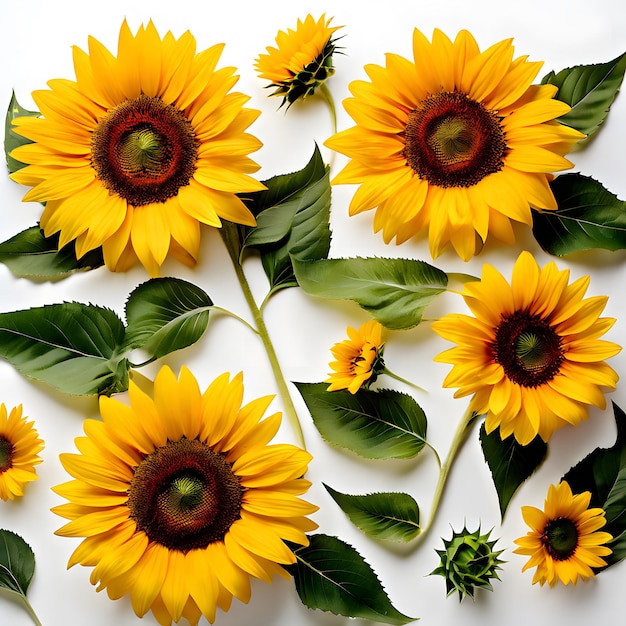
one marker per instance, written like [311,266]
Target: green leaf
[71,346]
[589,90]
[17,563]
[381,424]
[387,515]
[393,291]
[510,463]
[166,314]
[603,474]
[30,254]
[331,575]
[588,217]
[11,139]
[293,217]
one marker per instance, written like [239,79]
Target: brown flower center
[144,150]
[560,538]
[6,454]
[184,495]
[528,349]
[453,141]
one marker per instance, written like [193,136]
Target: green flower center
[6,454]
[144,151]
[184,495]
[453,141]
[560,538]
[528,348]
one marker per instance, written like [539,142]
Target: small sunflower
[181,500]
[457,142]
[302,60]
[139,150]
[532,356]
[19,452]
[359,359]
[565,541]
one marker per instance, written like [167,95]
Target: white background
[35,47]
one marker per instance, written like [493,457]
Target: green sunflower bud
[468,561]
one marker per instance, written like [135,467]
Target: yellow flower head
[301,61]
[19,452]
[531,356]
[140,150]
[457,142]
[358,358]
[564,543]
[181,499]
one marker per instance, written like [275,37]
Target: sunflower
[180,498]
[531,356]
[358,359]
[457,142]
[139,150]
[19,452]
[302,60]
[564,543]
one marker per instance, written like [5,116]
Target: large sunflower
[20,446]
[181,499]
[139,150]
[302,59]
[565,541]
[457,142]
[531,356]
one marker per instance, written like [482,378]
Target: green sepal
[166,314]
[589,216]
[383,424]
[330,575]
[392,516]
[510,462]
[11,139]
[30,254]
[603,474]
[394,291]
[589,90]
[293,220]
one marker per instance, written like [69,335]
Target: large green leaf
[589,90]
[393,291]
[166,314]
[293,217]
[589,216]
[381,424]
[30,254]
[603,474]
[17,563]
[71,346]
[388,515]
[331,575]
[510,463]
[11,139]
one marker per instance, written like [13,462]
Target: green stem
[230,236]
[395,376]
[235,316]
[457,442]
[328,97]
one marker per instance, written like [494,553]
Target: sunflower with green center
[531,356]
[140,150]
[181,499]
[302,60]
[565,541]
[457,142]
[20,446]
[358,359]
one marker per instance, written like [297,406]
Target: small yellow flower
[531,357]
[19,452]
[301,61]
[564,543]
[358,358]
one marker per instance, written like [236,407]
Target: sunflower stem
[458,440]
[30,609]
[235,316]
[230,237]
[328,97]
[395,376]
